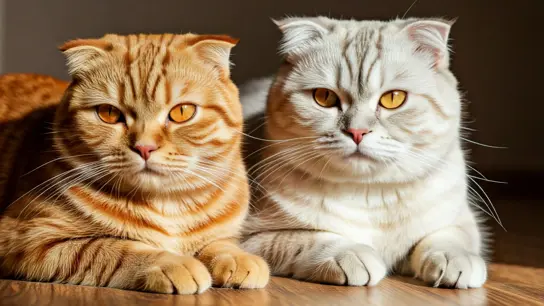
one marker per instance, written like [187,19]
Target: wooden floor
[508,285]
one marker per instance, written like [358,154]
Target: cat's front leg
[96,261]
[318,257]
[230,266]
[449,258]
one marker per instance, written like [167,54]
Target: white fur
[405,204]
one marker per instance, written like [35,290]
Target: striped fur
[331,209]
[81,207]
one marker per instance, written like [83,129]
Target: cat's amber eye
[325,97]
[182,112]
[109,114]
[393,99]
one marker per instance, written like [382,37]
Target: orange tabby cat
[132,178]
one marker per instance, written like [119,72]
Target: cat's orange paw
[239,271]
[176,274]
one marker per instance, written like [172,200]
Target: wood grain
[508,285]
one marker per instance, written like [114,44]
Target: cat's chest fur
[391,219]
[168,224]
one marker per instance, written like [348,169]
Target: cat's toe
[362,266]
[244,271]
[176,274]
[454,270]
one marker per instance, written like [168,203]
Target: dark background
[497,58]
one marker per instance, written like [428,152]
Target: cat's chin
[148,179]
[358,156]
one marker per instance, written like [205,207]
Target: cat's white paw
[362,265]
[454,270]
[356,265]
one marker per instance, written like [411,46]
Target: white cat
[361,171]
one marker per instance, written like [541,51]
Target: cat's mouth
[360,155]
[150,171]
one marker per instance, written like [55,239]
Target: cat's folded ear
[215,49]
[431,38]
[298,33]
[83,54]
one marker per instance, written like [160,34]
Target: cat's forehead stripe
[145,67]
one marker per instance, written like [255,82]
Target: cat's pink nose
[145,150]
[357,134]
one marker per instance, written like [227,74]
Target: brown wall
[496,46]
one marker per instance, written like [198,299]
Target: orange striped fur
[81,206]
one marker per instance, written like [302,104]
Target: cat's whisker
[220,171]
[306,159]
[221,167]
[486,180]
[54,160]
[478,198]
[256,128]
[475,170]
[276,140]
[481,177]
[287,151]
[263,169]
[189,172]
[409,8]
[51,179]
[75,180]
[268,172]
[55,184]
[487,202]
[482,144]
[107,182]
